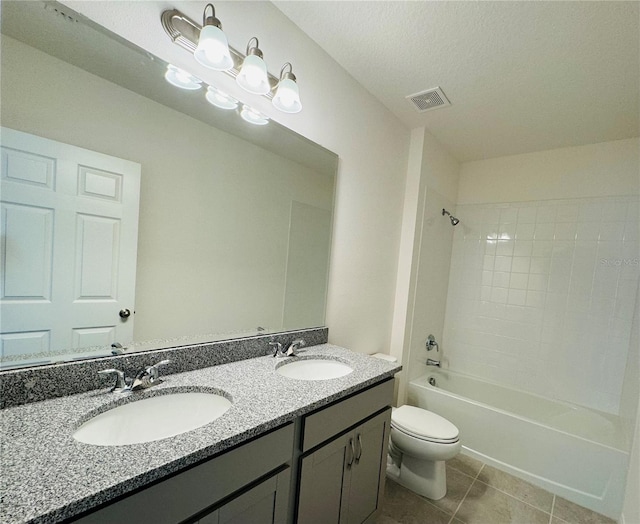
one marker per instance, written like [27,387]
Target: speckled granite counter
[47,476]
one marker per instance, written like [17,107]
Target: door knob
[124,313]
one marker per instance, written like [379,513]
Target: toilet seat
[424,425]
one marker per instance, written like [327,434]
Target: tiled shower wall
[541,296]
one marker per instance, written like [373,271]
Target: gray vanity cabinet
[342,469]
[247,484]
[329,464]
[342,481]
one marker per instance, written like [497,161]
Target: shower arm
[454,220]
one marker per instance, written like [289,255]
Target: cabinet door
[266,503]
[368,472]
[343,481]
[323,475]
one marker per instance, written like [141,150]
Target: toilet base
[426,478]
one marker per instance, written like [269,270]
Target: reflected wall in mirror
[234,220]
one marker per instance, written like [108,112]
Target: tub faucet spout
[431,362]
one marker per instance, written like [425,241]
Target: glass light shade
[219,99]
[253,76]
[253,117]
[287,97]
[180,78]
[213,49]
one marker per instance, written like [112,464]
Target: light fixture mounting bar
[185,32]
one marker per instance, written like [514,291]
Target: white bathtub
[576,453]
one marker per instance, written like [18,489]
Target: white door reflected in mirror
[70,240]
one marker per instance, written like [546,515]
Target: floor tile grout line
[465,495]
[479,471]
[516,498]
[553,507]
[519,499]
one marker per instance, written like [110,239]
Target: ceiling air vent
[429,99]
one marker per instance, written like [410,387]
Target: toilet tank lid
[384,356]
[420,422]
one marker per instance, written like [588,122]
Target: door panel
[97,246]
[26,265]
[77,210]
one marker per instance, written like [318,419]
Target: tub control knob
[431,343]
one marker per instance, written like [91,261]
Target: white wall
[340,115]
[630,397]
[544,272]
[605,169]
[196,249]
[631,506]
[630,411]
[425,255]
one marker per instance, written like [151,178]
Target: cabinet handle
[359,454]
[353,454]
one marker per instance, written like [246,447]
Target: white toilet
[420,443]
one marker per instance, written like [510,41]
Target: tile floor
[480,494]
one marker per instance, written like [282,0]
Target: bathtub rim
[626,445]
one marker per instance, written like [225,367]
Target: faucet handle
[431,343]
[296,344]
[278,348]
[121,381]
[153,372]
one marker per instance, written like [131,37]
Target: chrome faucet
[431,362]
[148,377]
[145,378]
[279,350]
[294,346]
[122,384]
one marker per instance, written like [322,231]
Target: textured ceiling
[521,76]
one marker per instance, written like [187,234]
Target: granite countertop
[47,476]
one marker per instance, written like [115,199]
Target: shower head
[454,221]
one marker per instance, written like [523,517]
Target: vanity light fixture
[207,43]
[252,116]
[253,73]
[220,99]
[287,97]
[180,78]
[213,47]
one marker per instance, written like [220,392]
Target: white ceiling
[521,76]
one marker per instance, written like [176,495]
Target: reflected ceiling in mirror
[234,220]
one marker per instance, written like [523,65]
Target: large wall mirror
[136,213]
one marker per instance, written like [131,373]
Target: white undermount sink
[152,418]
[314,369]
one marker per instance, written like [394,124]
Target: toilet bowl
[419,445]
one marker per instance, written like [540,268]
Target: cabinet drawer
[328,422]
[191,491]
